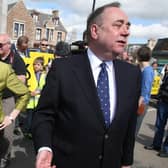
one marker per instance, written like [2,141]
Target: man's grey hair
[95,16]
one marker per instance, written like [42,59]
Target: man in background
[22,46]
[144,56]
[159,143]
[44,46]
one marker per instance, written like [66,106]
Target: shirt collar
[95,61]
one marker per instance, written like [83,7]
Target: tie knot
[103,65]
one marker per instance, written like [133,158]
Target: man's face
[4,46]
[44,45]
[112,33]
[155,66]
[24,46]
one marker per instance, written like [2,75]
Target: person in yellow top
[9,80]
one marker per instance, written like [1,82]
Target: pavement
[23,154]
[148,158]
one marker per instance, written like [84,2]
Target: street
[147,158]
[23,154]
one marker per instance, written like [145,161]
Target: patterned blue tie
[103,93]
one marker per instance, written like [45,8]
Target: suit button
[106,136]
[100,157]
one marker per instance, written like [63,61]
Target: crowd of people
[14,94]
[89,93]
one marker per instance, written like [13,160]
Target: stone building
[48,26]
[19,22]
[34,24]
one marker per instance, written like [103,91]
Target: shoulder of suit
[127,67]
[5,68]
[124,63]
[70,59]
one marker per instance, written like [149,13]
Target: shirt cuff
[45,148]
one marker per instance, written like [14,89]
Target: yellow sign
[30,76]
[155,85]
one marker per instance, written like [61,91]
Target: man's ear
[94,31]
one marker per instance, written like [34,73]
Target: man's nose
[125,30]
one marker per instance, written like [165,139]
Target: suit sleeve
[129,142]
[18,88]
[44,114]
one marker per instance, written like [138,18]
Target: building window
[38,34]
[59,36]
[56,21]
[35,18]
[49,34]
[18,29]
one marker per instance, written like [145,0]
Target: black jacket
[69,119]
[163,91]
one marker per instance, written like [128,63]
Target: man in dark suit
[86,116]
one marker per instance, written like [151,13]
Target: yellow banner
[30,76]
[155,85]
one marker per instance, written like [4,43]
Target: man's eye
[128,27]
[117,25]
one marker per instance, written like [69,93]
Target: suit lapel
[84,75]
[118,85]
[119,90]
[83,72]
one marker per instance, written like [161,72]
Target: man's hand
[141,100]
[126,167]
[7,121]
[43,159]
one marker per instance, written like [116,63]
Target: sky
[149,18]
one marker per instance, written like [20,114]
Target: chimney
[55,14]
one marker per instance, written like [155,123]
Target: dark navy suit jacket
[69,119]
